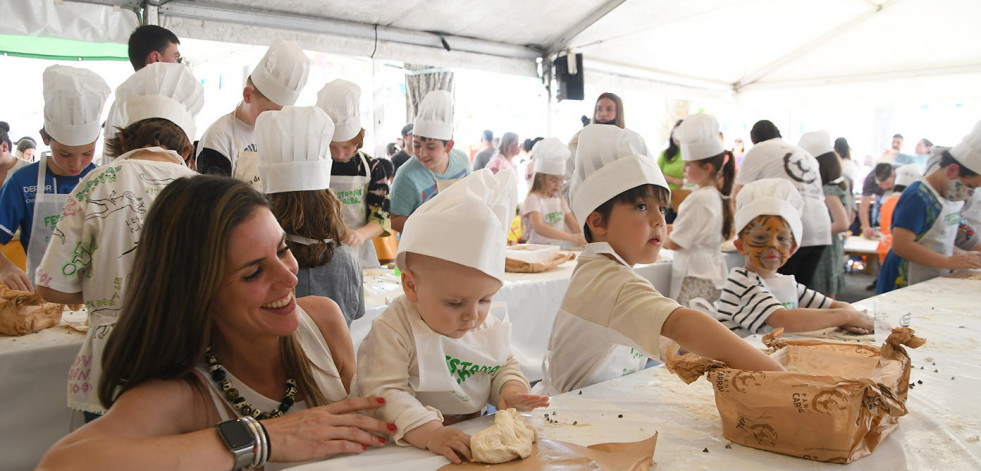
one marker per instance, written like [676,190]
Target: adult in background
[504,158]
[407,152]
[877,182]
[487,150]
[26,147]
[829,277]
[894,154]
[608,110]
[9,163]
[673,168]
[772,157]
[922,153]
[849,169]
[211,333]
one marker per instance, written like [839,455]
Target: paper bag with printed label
[836,402]
[23,312]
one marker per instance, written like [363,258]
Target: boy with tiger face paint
[758,299]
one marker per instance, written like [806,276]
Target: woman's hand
[327,430]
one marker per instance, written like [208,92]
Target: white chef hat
[968,151]
[282,72]
[699,137]
[294,149]
[550,156]
[907,174]
[435,116]
[773,197]
[817,143]
[609,161]
[341,100]
[161,90]
[73,101]
[467,223]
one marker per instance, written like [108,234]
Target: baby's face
[766,242]
[452,299]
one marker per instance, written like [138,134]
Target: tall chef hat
[294,149]
[341,100]
[699,137]
[817,143]
[550,156]
[968,152]
[282,72]
[609,161]
[907,174]
[435,116]
[73,101]
[161,90]
[467,223]
[772,197]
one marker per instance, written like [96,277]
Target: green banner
[61,49]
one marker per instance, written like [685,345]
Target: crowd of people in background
[219,291]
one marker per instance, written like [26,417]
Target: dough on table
[509,438]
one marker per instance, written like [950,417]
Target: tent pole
[151,14]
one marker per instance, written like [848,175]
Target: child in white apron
[758,299]
[359,181]
[928,216]
[611,320]
[704,219]
[545,215]
[441,353]
[98,233]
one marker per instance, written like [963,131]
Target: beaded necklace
[219,376]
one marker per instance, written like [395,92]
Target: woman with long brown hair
[210,330]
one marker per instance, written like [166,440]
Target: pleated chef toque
[907,174]
[294,149]
[968,152]
[282,72]
[341,100]
[771,197]
[699,137]
[609,161]
[435,116]
[73,101]
[467,223]
[550,156]
[161,90]
[817,143]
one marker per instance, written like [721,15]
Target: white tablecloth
[941,431]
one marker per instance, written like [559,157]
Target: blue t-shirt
[414,183]
[916,211]
[17,199]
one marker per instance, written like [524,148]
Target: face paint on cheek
[764,238]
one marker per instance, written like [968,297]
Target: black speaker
[570,84]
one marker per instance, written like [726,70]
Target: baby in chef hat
[441,352]
[227,146]
[611,319]
[90,258]
[758,299]
[928,218]
[545,214]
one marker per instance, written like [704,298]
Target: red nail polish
[364,447]
[381,439]
[381,400]
[391,427]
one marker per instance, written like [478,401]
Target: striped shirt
[747,302]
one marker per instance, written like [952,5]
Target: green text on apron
[245,164]
[47,212]
[455,374]
[352,190]
[940,238]
[552,215]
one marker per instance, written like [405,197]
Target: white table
[941,430]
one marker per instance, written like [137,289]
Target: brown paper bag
[520,266]
[555,455]
[835,402]
[23,312]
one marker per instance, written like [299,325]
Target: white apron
[352,191]
[681,265]
[47,211]
[455,375]
[554,217]
[784,288]
[939,238]
[245,164]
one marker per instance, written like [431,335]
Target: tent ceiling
[713,44]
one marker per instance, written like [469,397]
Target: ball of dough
[509,438]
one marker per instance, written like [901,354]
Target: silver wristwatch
[239,440]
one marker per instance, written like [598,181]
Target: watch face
[236,434]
